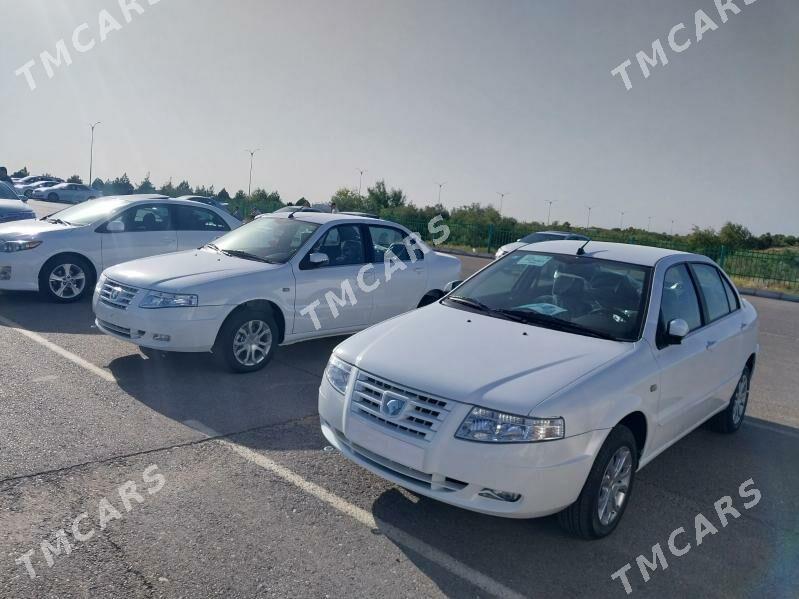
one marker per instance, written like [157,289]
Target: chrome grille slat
[420,418]
[124,294]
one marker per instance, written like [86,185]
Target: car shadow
[39,315]
[197,390]
[753,555]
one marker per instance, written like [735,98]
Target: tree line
[472,224]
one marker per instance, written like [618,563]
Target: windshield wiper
[245,255]
[472,303]
[58,221]
[211,246]
[536,318]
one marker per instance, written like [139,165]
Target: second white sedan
[61,255]
[280,279]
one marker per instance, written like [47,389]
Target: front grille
[121,331]
[117,295]
[434,482]
[420,418]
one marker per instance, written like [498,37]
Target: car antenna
[580,250]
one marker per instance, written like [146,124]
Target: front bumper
[187,329]
[19,271]
[549,476]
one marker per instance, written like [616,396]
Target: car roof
[322,218]
[620,252]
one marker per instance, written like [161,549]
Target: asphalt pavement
[251,503]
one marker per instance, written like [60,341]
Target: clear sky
[512,96]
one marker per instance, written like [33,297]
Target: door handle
[710,345]
[419,269]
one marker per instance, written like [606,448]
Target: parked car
[209,201]
[74,193]
[280,279]
[536,238]
[60,255]
[29,189]
[546,380]
[11,207]
[296,209]
[33,181]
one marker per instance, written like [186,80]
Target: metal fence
[770,269]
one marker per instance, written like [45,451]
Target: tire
[731,419]
[65,279]
[153,354]
[233,347]
[582,518]
[52,197]
[28,193]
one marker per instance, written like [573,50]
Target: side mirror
[115,226]
[677,330]
[452,285]
[318,259]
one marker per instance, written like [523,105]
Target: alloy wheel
[252,342]
[741,398]
[615,485]
[67,281]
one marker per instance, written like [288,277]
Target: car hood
[509,247]
[184,271]
[477,359]
[12,206]
[29,228]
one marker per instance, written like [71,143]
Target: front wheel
[66,279]
[247,340]
[606,492]
[731,419]
[52,197]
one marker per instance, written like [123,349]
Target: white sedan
[73,193]
[283,278]
[61,255]
[545,381]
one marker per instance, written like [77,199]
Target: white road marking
[101,372]
[449,563]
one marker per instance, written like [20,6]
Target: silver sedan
[73,193]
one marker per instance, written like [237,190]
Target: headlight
[100,282]
[18,246]
[490,426]
[500,253]
[338,374]
[158,299]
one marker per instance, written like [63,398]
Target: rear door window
[713,291]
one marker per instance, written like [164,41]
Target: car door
[197,226]
[331,292]
[404,287]
[724,326]
[146,230]
[688,370]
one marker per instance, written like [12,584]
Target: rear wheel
[247,340]
[66,279]
[731,419]
[606,492]
[52,197]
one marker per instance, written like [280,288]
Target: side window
[191,218]
[732,298]
[385,239]
[343,245]
[712,291]
[147,218]
[679,298]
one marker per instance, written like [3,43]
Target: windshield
[88,212]
[7,193]
[269,239]
[579,294]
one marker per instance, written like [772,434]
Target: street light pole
[360,181]
[671,230]
[588,222]
[249,186]
[440,185]
[648,224]
[91,154]
[621,222]
[549,210]
[501,195]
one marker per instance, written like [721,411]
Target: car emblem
[115,291]
[392,404]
